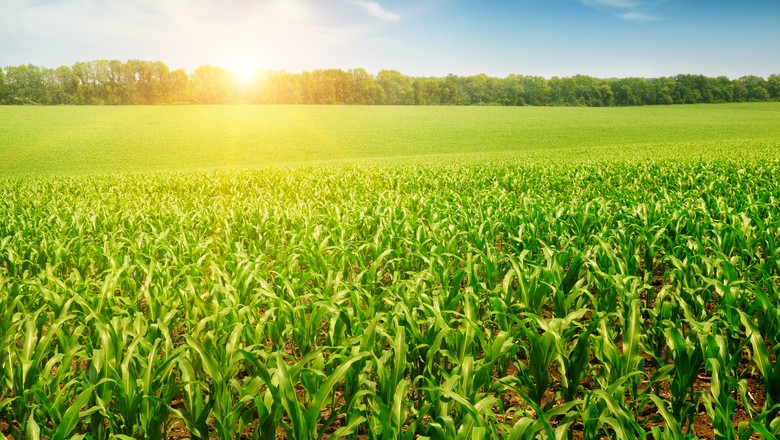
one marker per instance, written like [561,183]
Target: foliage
[458,299]
[146,82]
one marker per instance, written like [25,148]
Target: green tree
[559,95]
[397,87]
[25,84]
[146,82]
[4,95]
[364,87]
[686,91]
[773,86]
[55,88]
[150,81]
[211,85]
[740,91]
[722,89]
[281,88]
[323,86]
[159,87]
[478,88]
[537,90]
[755,88]
[453,92]
[663,89]
[587,91]
[177,87]
[605,94]
[86,84]
[631,91]
[513,90]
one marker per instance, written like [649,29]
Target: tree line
[112,82]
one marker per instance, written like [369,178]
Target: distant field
[79,140]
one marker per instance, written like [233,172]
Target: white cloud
[376,10]
[291,34]
[291,11]
[638,17]
[639,11]
[621,4]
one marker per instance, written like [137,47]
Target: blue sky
[602,38]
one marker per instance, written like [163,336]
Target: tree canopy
[113,82]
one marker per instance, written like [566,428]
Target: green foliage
[144,82]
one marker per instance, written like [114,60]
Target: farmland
[310,272]
[59,140]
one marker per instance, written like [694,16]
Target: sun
[245,72]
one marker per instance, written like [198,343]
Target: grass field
[87,140]
[313,272]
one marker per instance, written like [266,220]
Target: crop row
[477,300]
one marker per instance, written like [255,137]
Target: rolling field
[360,272]
[102,140]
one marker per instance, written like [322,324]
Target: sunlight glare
[245,72]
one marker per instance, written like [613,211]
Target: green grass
[84,140]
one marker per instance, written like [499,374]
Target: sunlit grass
[78,140]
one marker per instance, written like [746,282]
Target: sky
[601,38]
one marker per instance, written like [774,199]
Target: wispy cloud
[283,34]
[638,11]
[638,17]
[376,10]
[622,4]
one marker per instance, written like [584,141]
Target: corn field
[615,299]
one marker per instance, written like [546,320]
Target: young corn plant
[229,302]
[768,365]
[568,296]
[620,363]
[539,348]
[29,360]
[688,358]
[574,351]
[523,287]
[219,361]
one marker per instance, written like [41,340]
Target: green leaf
[314,414]
[33,430]
[72,415]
